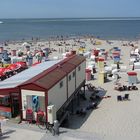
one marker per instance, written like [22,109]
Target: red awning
[5,109]
[21,64]
[3,71]
[13,67]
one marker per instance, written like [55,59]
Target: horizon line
[69,17]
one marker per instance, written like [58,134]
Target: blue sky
[69,8]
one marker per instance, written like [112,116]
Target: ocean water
[17,29]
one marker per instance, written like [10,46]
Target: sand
[113,119]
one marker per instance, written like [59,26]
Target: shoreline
[66,38]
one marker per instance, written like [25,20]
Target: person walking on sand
[133,67]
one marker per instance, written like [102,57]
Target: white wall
[71,84]
[80,75]
[24,94]
[57,96]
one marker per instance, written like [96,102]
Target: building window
[79,68]
[61,84]
[69,77]
[73,74]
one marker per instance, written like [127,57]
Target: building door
[15,104]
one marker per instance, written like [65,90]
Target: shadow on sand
[6,133]
[75,120]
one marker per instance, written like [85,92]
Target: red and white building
[49,83]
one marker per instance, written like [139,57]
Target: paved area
[32,132]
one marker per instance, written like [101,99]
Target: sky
[69,8]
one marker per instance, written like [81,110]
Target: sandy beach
[113,119]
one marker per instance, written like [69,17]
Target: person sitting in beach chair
[119,88]
[129,88]
[124,87]
[134,87]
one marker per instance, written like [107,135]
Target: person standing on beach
[118,66]
[133,67]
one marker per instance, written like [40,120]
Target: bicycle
[42,124]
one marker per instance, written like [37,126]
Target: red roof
[67,67]
[51,79]
[56,73]
[76,60]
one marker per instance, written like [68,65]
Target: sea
[45,28]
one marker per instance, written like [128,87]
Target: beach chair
[93,105]
[134,88]
[126,97]
[29,115]
[119,88]
[119,98]
[124,87]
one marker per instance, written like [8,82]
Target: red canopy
[21,64]
[3,71]
[13,66]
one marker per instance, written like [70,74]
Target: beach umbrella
[2,74]
[2,70]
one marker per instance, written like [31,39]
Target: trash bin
[29,115]
[88,74]
[40,117]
